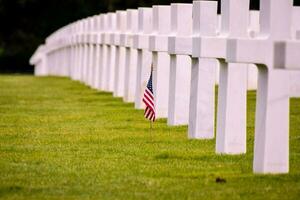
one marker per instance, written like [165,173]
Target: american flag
[148,99]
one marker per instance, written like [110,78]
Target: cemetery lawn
[60,139]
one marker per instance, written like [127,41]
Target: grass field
[61,140]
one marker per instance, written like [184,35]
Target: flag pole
[151,120]
[151,130]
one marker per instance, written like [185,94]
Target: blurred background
[24,24]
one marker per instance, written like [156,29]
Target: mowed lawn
[60,139]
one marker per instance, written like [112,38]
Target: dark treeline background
[26,23]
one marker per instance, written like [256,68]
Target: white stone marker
[85,51]
[231,117]
[131,55]
[106,43]
[158,44]
[144,59]
[271,148]
[58,49]
[104,49]
[59,56]
[67,34]
[67,51]
[99,52]
[50,53]
[88,48]
[91,52]
[47,55]
[232,92]
[39,60]
[97,36]
[59,53]
[80,49]
[202,94]
[111,53]
[96,50]
[76,50]
[120,55]
[66,55]
[50,56]
[55,57]
[179,48]
[72,50]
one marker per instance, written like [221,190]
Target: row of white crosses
[190,49]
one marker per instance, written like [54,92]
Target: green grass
[61,140]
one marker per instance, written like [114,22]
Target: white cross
[271,148]
[131,55]
[231,116]
[120,55]
[39,60]
[111,53]
[144,58]
[104,52]
[77,50]
[158,44]
[179,46]
[85,54]
[202,96]
[73,50]
[97,60]
[91,51]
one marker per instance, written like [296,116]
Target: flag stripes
[148,99]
